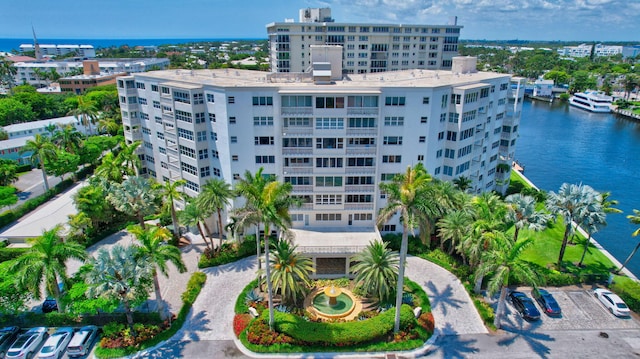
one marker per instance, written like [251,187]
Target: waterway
[559,143]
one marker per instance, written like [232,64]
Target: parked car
[612,302]
[7,336]
[546,301]
[56,344]
[27,344]
[82,340]
[50,304]
[524,305]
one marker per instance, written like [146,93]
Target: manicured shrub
[195,284]
[228,254]
[485,311]
[242,306]
[240,323]
[426,321]
[629,291]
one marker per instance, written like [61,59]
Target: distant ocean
[14,44]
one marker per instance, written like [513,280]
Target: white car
[54,347]
[27,344]
[82,340]
[612,302]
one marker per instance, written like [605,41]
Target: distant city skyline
[562,20]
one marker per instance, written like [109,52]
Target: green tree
[403,194]
[503,262]
[13,299]
[592,218]
[156,250]
[85,112]
[111,169]
[41,149]
[13,111]
[68,138]
[462,183]
[169,193]
[122,274]
[46,261]
[64,162]
[8,172]
[214,196]
[559,77]
[134,197]
[376,270]
[582,81]
[454,227]
[7,72]
[290,271]
[522,213]
[128,158]
[7,196]
[191,215]
[634,219]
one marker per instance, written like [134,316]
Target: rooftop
[334,240]
[38,124]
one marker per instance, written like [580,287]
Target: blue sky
[566,20]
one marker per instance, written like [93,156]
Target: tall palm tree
[403,194]
[69,138]
[41,150]
[591,220]
[7,72]
[608,204]
[454,227]
[440,197]
[250,186]
[169,193]
[46,261]
[291,271]
[110,168]
[191,215]
[376,270]
[85,112]
[522,213]
[158,252]
[121,274]
[268,203]
[108,125]
[214,196]
[462,183]
[128,157]
[503,262]
[135,197]
[569,202]
[634,219]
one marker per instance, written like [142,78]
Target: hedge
[241,306]
[229,254]
[629,291]
[340,333]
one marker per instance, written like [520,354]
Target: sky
[563,20]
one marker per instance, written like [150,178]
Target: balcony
[297,170]
[297,151]
[360,170]
[297,131]
[358,206]
[361,150]
[359,188]
[362,131]
[296,111]
[302,188]
[362,111]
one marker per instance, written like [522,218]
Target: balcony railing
[296,110]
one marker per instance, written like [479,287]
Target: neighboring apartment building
[584,50]
[85,51]
[91,77]
[26,71]
[334,140]
[367,48]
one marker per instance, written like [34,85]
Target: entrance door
[350,219]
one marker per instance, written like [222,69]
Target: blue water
[10,44]
[559,143]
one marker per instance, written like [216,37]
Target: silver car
[54,347]
[82,340]
[612,302]
[27,344]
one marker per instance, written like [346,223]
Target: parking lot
[581,310]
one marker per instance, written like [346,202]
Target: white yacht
[594,101]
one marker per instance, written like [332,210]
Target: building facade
[86,51]
[367,48]
[334,141]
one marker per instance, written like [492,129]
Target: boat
[594,101]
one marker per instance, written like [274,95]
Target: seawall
[626,271]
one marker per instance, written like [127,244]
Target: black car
[50,304]
[524,305]
[546,301]
[7,336]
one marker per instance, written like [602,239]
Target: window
[146,131]
[189,168]
[447,170]
[187,151]
[297,142]
[265,159]
[359,198]
[452,136]
[149,159]
[361,142]
[202,136]
[197,99]
[160,135]
[262,101]
[296,101]
[394,121]
[263,121]
[328,199]
[142,101]
[231,99]
[422,139]
[180,96]
[192,186]
[156,104]
[233,139]
[216,172]
[205,171]
[388,228]
[298,181]
[186,134]
[387,176]
[214,136]
[391,159]
[362,216]
[392,140]
[203,154]
[425,100]
[461,168]
[329,102]
[329,162]
[420,157]
[449,153]
[210,98]
[263,140]
[297,162]
[200,117]
[212,117]
[362,101]
[360,162]
[394,101]
[359,180]
[366,122]
[445,101]
[436,171]
[215,154]
[162,150]
[328,217]
[183,116]
[329,143]
[154,88]
[329,123]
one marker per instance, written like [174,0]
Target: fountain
[332,303]
[333,293]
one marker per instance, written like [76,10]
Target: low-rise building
[91,77]
[85,51]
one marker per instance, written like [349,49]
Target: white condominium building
[333,139]
[367,48]
[86,51]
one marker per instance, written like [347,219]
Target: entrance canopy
[335,241]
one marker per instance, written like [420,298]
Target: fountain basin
[321,304]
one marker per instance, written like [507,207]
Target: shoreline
[598,246]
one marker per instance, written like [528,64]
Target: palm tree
[439,198]
[454,227]
[108,125]
[128,157]
[214,196]
[7,72]
[608,204]
[69,138]
[569,202]
[522,213]
[85,112]
[191,215]
[169,193]
[158,252]
[462,183]
[291,271]
[591,220]
[634,219]
[268,203]
[121,274]
[46,260]
[403,194]
[376,270]
[502,262]
[110,168]
[135,197]
[41,150]
[250,186]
